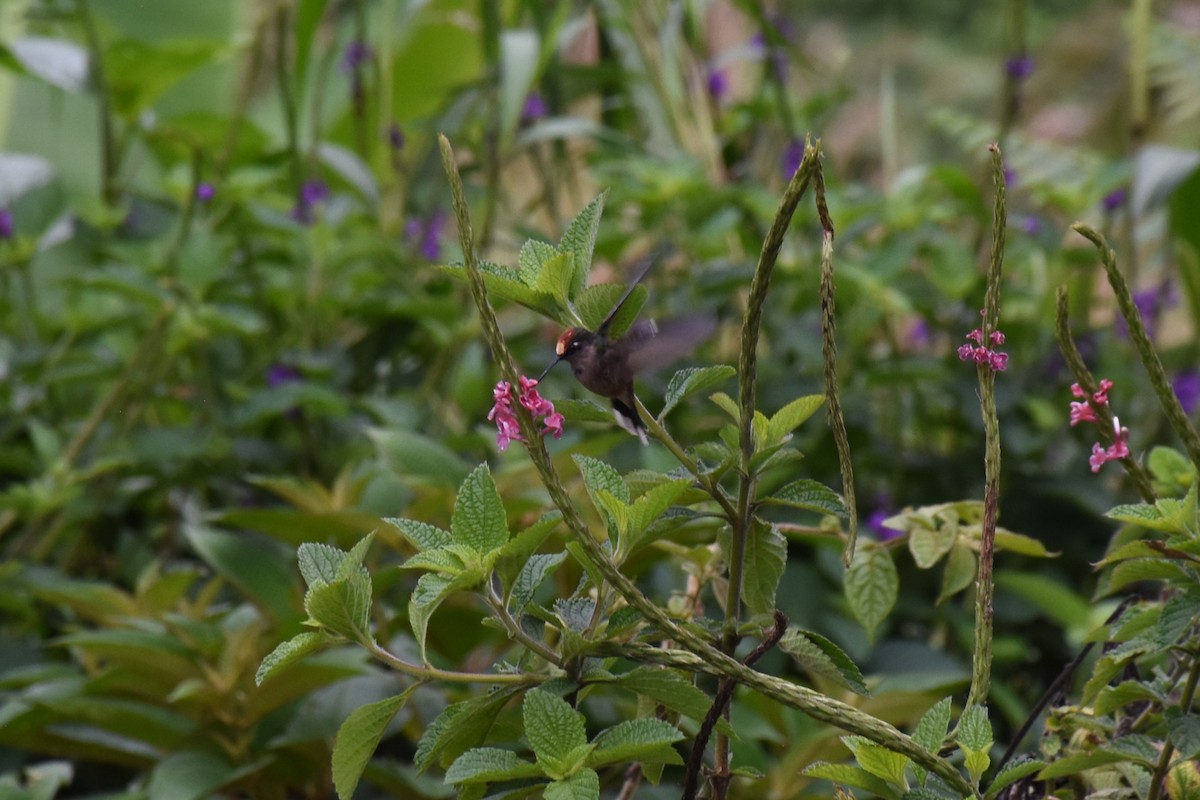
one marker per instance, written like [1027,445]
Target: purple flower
[311,194]
[426,234]
[280,374]
[718,84]
[792,156]
[1018,67]
[357,53]
[1030,225]
[918,334]
[6,224]
[1114,200]
[205,191]
[396,137]
[1187,389]
[534,108]
[1151,303]
[1010,176]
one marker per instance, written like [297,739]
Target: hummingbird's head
[569,344]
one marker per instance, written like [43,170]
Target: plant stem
[283,78]
[659,432]
[981,665]
[1185,705]
[108,142]
[434,674]
[703,656]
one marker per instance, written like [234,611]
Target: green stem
[1149,356]
[108,139]
[981,667]
[283,77]
[703,656]
[1089,384]
[515,632]
[1185,705]
[434,674]
[837,422]
[706,481]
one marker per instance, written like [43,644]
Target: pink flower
[998,361]
[981,353]
[976,336]
[507,429]
[1082,412]
[997,338]
[1077,390]
[1117,450]
[966,352]
[1101,397]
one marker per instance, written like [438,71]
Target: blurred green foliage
[223,335]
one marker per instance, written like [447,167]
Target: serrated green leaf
[444,561]
[808,494]
[485,764]
[530,578]
[1112,698]
[959,571]
[1184,731]
[429,593]
[420,535]
[1145,569]
[583,785]
[792,416]
[821,656]
[636,740]
[319,563]
[580,239]
[554,277]
[974,732]
[1013,772]
[878,760]
[599,475]
[343,607]
[505,284]
[930,732]
[645,510]
[672,691]
[517,550]
[552,727]
[531,258]
[358,737]
[479,520]
[596,302]
[871,587]
[763,563]
[1144,514]
[460,727]
[1183,781]
[289,652]
[1073,764]
[928,546]
[687,382]
[355,557]
[852,776]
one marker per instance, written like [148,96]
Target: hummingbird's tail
[628,418]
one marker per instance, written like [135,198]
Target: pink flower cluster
[505,418]
[981,353]
[1083,411]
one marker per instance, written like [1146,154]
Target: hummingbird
[607,366]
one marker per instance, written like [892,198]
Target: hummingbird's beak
[546,371]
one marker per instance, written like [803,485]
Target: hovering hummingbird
[607,366]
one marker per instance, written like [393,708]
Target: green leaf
[1013,772]
[460,727]
[1020,544]
[821,656]
[290,651]
[583,785]
[138,74]
[959,571]
[552,727]
[871,587]
[930,732]
[878,760]
[672,691]
[928,546]
[1050,596]
[810,495]
[518,550]
[516,72]
[189,775]
[445,561]
[580,239]
[343,607]
[479,520]
[764,563]
[255,565]
[598,475]
[1184,731]
[420,535]
[791,416]
[647,508]
[596,302]
[636,740]
[1144,514]
[583,411]
[418,457]
[1074,764]
[531,258]
[485,764]
[530,578]
[429,593]
[852,776]
[319,563]
[554,279]
[358,737]
[687,382]
[727,404]
[974,731]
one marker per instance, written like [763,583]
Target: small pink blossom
[966,352]
[981,353]
[1101,396]
[998,361]
[507,429]
[1117,450]
[997,338]
[1077,390]
[1082,412]
[976,336]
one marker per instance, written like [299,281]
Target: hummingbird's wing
[650,345]
[640,271]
